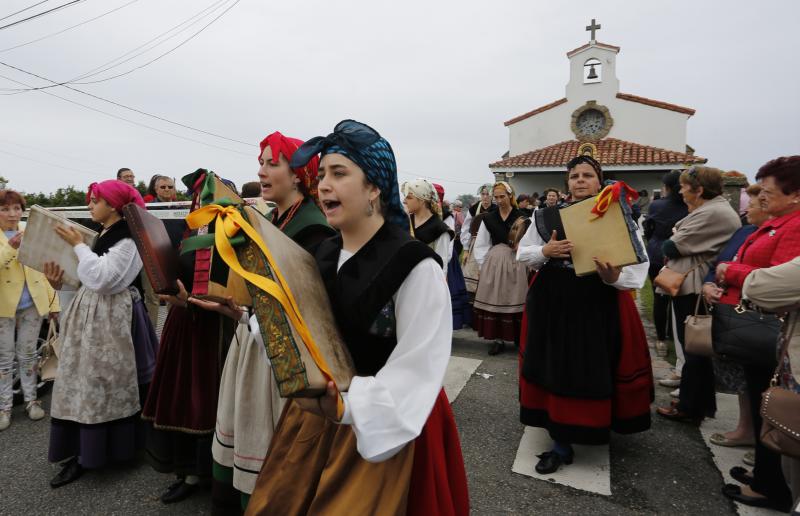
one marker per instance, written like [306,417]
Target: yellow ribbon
[228,223]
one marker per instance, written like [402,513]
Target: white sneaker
[676,393]
[34,409]
[674,381]
[5,419]
[661,348]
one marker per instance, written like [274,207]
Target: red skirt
[185,386]
[588,421]
[494,326]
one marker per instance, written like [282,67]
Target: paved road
[668,470]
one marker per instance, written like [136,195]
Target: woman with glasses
[161,189]
[394,449]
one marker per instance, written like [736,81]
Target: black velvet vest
[499,228]
[362,290]
[116,232]
[432,229]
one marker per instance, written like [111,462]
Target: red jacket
[777,241]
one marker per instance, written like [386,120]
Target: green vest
[307,215]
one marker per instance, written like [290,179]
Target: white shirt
[451,223]
[111,273]
[443,246]
[388,410]
[465,236]
[530,253]
[483,242]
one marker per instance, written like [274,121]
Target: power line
[23,10]
[130,121]
[139,111]
[68,28]
[165,53]
[57,8]
[110,64]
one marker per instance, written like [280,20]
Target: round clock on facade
[591,122]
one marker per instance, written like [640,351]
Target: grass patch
[646,299]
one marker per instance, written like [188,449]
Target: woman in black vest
[585,366]
[108,344]
[424,213]
[500,297]
[395,444]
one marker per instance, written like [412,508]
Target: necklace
[289,214]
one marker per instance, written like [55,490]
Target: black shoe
[69,473]
[734,492]
[178,492]
[741,475]
[498,347]
[550,462]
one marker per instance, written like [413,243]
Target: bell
[592,73]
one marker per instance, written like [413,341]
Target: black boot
[550,462]
[178,492]
[71,471]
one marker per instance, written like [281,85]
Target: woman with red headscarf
[107,343]
[248,406]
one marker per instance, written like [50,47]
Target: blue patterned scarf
[366,148]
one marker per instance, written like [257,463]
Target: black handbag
[745,336]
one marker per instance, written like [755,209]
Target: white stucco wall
[633,121]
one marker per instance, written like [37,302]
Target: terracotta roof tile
[656,103]
[610,152]
[536,111]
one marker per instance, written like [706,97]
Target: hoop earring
[370,209]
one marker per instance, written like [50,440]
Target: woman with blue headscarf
[395,449]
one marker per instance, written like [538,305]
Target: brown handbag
[670,281]
[697,332]
[780,410]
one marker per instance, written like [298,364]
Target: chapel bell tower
[593,69]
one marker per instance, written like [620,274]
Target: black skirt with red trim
[584,364]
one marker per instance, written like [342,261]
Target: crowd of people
[403,269]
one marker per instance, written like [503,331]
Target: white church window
[592,71]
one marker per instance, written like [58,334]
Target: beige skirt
[470,268]
[503,283]
[248,410]
[96,380]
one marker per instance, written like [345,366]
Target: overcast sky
[436,78]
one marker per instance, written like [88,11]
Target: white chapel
[636,139]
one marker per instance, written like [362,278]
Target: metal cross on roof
[593,28]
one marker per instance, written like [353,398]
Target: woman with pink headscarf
[107,344]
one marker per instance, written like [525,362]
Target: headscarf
[486,186]
[116,193]
[280,144]
[439,191]
[510,191]
[366,148]
[584,158]
[423,190]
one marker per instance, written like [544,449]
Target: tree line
[69,195]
